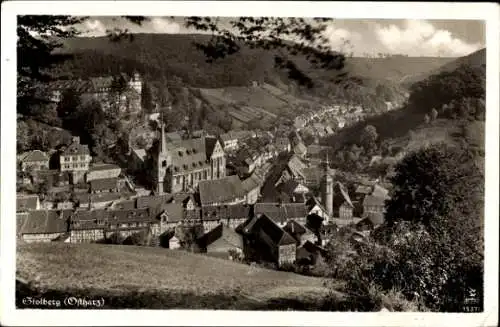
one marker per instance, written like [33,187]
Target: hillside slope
[177,54]
[475,59]
[129,276]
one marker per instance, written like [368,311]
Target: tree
[268,33]
[368,137]
[70,100]
[38,36]
[147,98]
[432,182]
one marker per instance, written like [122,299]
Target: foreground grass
[142,277]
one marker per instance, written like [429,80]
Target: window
[82,158]
[75,158]
[66,166]
[75,165]
[164,163]
[66,158]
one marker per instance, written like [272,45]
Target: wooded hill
[455,98]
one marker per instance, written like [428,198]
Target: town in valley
[132,147]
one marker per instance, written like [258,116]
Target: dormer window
[184,166]
[180,153]
[193,150]
[188,152]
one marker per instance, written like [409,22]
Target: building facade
[179,166]
[75,159]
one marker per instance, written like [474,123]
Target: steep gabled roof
[75,148]
[251,183]
[188,154]
[35,155]
[222,233]
[280,213]
[26,202]
[103,166]
[174,211]
[220,190]
[292,227]
[103,184]
[153,201]
[210,143]
[342,191]
[235,211]
[45,222]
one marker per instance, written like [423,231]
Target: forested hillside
[178,55]
[448,107]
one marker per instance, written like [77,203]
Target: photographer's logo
[472,302]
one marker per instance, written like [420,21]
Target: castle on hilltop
[105,90]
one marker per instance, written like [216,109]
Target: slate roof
[152,201]
[280,213]
[188,155]
[124,205]
[292,227]
[183,198]
[44,222]
[222,233]
[33,156]
[251,183]
[342,191]
[174,211]
[75,148]
[103,184]
[113,216]
[220,190]
[236,211]
[26,202]
[104,197]
[210,143]
[99,167]
[277,234]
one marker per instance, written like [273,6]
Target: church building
[178,166]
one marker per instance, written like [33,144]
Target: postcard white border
[9,316]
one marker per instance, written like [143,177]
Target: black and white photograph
[281,163]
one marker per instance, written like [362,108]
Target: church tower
[327,189]
[163,162]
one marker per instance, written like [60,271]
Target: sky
[445,38]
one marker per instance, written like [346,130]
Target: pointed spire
[163,145]
[327,164]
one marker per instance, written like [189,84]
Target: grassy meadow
[156,278]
